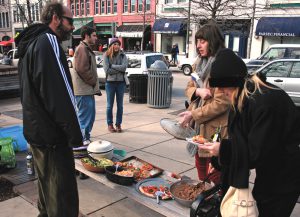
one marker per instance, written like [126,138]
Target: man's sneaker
[118,128]
[86,142]
[111,128]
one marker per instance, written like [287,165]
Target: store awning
[278,26]
[6,43]
[80,22]
[104,28]
[130,31]
[171,26]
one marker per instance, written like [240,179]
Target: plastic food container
[101,149]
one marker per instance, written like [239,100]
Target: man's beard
[63,33]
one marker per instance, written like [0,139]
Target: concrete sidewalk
[142,137]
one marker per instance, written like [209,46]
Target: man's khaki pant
[58,194]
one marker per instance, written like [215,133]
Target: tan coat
[84,74]
[212,113]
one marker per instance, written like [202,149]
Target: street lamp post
[188,30]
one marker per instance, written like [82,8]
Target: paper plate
[175,129]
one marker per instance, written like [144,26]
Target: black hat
[228,70]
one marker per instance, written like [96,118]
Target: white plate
[190,140]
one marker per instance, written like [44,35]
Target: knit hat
[114,40]
[228,70]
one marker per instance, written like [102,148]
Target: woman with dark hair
[263,130]
[114,64]
[209,108]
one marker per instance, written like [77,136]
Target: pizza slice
[152,189]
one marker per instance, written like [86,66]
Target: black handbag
[207,204]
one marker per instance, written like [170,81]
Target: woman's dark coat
[264,136]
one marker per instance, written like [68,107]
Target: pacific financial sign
[276,34]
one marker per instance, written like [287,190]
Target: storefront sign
[129,34]
[276,34]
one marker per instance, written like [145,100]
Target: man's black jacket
[49,112]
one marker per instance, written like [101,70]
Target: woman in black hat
[264,134]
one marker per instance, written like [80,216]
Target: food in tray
[126,173]
[188,191]
[102,162]
[140,169]
[150,191]
[199,139]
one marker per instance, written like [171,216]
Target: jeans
[86,114]
[112,89]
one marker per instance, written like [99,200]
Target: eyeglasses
[70,20]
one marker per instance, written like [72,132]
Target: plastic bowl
[121,180]
[92,168]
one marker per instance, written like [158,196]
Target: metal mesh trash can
[159,88]
[138,88]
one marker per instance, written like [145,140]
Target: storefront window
[227,41]
[37,14]
[87,3]
[82,9]
[108,6]
[102,6]
[236,44]
[32,13]
[97,7]
[7,20]
[125,3]
[147,5]
[15,14]
[115,6]
[73,9]
[132,10]
[77,9]
[181,1]
[168,1]
[140,5]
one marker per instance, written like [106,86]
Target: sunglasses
[70,20]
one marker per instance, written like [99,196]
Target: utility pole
[188,31]
[251,29]
[29,12]
[144,21]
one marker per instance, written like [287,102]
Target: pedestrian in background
[85,81]
[114,64]
[209,108]
[263,135]
[173,54]
[51,126]
[71,51]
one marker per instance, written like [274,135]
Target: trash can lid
[159,64]
[175,129]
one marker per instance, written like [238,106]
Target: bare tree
[25,10]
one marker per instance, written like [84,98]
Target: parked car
[284,73]
[98,56]
[13,56]
[186,65]
[275,51]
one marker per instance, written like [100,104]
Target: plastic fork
[158,194]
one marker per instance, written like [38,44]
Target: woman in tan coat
[209,107]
